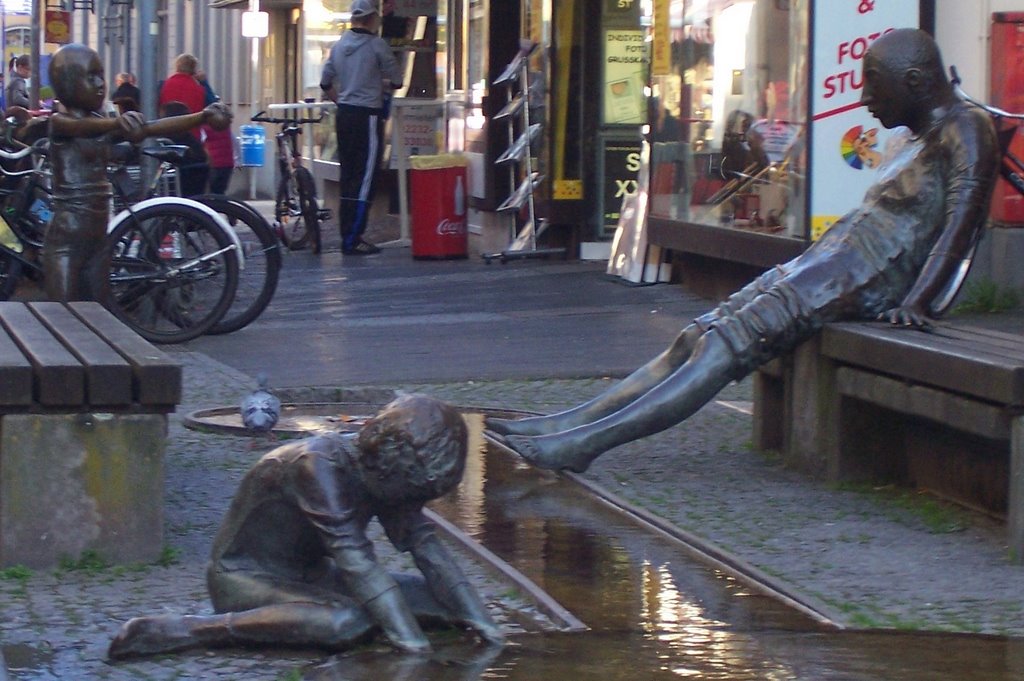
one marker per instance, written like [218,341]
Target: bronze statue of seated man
[893,258]
[292,565]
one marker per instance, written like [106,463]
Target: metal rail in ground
[707,552]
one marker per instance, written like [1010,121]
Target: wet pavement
[540,336]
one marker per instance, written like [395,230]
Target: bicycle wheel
[257,281]
[308,205]
[287,212]
[173,274]
[10,275]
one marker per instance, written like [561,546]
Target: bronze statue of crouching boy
[292,564]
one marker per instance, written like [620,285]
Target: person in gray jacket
[358,69]
[17,87]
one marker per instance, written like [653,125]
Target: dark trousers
[220,178]
[359,150]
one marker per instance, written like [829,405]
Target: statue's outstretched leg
[616,397]
[321,619]
[290,624]
[710,368]
[645,378]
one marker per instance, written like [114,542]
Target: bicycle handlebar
[15,155]
[993,110]
[261,117]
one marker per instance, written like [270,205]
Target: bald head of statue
[904,80]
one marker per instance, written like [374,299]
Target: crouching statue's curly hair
[414,449]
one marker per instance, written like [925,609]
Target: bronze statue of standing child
[76,263]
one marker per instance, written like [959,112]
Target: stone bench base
[940,411]
[72,483]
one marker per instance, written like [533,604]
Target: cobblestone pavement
[57,624]
[869,557]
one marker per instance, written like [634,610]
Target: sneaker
[361,248]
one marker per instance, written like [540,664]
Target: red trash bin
[438,206]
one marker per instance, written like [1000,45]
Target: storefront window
[727,113]
[413,28]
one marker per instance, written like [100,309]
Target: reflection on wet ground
[656,611]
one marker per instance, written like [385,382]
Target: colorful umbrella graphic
[858,147]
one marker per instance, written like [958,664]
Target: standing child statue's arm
[67,125]
[217,115]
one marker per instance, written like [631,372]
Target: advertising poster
[847,141]
[621,164]
[625,74]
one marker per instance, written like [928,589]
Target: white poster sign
[625,56]
[847,141]
[416,128]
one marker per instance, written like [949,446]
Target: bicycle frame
[296,192]
[1010,168]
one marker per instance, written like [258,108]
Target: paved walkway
[869,557]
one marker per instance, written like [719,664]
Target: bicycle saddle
[171,153]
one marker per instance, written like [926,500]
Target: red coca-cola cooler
[1007,87]
[437,186]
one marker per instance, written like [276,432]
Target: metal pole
[38,12]
[149,33]
[149,30]
[254,98]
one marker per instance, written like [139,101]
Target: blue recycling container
[252,141]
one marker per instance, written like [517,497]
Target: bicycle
[26,212]
[296,191]
[261,267]
[1011,169]
[174,263]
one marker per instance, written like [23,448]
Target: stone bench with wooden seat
[83,427]
[938,410]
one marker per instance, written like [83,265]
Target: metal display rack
[519,158]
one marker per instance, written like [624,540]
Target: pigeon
[260,409]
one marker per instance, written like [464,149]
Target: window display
[728,115]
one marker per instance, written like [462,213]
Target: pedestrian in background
[210,94]
[195,167]
[126,96]
[358,69]
[182,86]
[220,150]
[16,92]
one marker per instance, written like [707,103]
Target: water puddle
[656,611]
[653,608]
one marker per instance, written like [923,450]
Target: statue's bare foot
[550,452]
[151,636]
[533,425]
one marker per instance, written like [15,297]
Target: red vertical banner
[57,27]
[1007,88]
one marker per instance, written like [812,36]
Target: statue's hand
[218,116]
[910,316]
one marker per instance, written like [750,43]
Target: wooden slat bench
[83,422]
[940,410]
